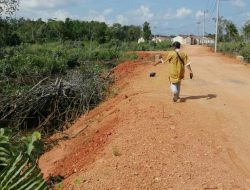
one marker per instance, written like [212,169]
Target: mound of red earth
[83,141]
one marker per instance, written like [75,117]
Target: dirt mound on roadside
[83,141]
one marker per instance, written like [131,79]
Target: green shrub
[236,48]
[165,45]
[18,168]
[233,48]
[129,56]
[245,51]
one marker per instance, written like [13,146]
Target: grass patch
[59,186]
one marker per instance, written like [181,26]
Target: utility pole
[204,27]
[217,24]
[198,32]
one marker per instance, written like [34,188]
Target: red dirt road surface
[140,139]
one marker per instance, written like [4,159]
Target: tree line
[17,31]
[228,32]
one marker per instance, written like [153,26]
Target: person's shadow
[208,97]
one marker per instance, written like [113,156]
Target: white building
[207,41]
[156,39]
[141,40]
[178,39]
[193,40]
[161,38]
[187,40]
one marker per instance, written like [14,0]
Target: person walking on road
[178,61]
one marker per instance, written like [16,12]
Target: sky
[166,17]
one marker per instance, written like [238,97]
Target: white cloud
[107,11]
[99,16]
[143,13]
[238,3]
[35,9]
[32,4]
[40,4]
[46,14]
[183,12]
[62,15]
[199,14]
[178,13]
[96,16]
[121,19]
[168,15]
[248,15]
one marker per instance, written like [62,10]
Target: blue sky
[165,16]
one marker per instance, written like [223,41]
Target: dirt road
[140,139]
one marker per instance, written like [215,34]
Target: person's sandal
[175,99]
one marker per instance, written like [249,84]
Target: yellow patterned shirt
[176,67]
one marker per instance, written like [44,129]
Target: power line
[207,4]
[214,8]
[210,16]
[211,11]
[206,15]
[209,7]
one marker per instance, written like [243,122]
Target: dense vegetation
[231,41]
[17,31]
[235,48]
[51,72]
